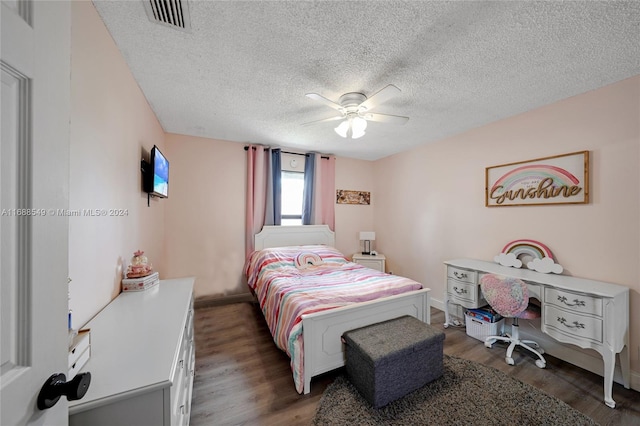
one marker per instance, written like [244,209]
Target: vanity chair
[510,298]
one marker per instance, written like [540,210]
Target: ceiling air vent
[173,13]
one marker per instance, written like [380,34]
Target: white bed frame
[322,331]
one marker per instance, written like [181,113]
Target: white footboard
[322,331]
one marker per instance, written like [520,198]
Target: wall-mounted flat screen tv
[157,179]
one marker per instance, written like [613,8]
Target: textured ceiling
[242,72]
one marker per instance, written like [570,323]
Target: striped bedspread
[292,281]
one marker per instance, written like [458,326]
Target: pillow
[306,258]
[276,258]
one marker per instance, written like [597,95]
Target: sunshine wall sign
[561,179]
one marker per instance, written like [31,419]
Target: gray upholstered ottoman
[386,361]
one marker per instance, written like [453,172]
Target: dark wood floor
[243,379]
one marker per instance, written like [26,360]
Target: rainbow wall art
[542,258]
[553,180]
[536,172]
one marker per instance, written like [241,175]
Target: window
[292,190]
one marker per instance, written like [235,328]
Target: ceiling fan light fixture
[358,126]
[354,112]
[352,128]
[343,128]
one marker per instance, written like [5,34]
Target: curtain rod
[266,148]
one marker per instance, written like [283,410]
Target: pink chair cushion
[508,296]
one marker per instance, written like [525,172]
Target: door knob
[57,385]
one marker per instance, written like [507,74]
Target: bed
[290,262]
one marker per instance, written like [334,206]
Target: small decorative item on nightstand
[372,261]
[367,237]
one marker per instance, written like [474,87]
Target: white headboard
[280,236]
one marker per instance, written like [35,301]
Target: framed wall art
[345,196]
[561,179]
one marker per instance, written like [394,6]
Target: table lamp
[367,237]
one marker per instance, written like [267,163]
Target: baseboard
[438,304]
[583,358]
[635,381]
[208,301]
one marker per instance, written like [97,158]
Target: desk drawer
[79,352]
[462,275]
[468,295]
[572,324]
[80,344]
[79,363]
[573,301]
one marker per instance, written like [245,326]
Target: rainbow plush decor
[306,259]
[542,261]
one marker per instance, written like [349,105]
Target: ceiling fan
[354,110]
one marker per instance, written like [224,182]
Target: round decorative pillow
[306,258]
[507,296]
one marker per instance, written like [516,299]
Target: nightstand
[373,262]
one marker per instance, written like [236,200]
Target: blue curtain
[273,214]
[307,195]
[277,187]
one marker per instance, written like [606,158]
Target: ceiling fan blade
[381,96]
[386,118]
[311,123]
[324,100]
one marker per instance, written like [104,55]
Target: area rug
[468,393]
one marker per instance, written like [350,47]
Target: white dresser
[142,359]
[376,262]
[587,313]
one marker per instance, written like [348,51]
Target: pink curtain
[324,194]
[257,178]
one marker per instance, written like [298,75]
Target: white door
[34,181]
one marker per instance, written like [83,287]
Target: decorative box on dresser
[586,313]
[142,359]
[376,262]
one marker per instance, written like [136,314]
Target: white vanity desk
[587,313]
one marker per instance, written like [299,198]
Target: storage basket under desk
[480,330]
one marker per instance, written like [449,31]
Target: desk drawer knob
[459,275]
[576,302]
[575,325]
[460,291]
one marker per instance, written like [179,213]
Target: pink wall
[356,175]
[430,204]
[111,124]
[205,212]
